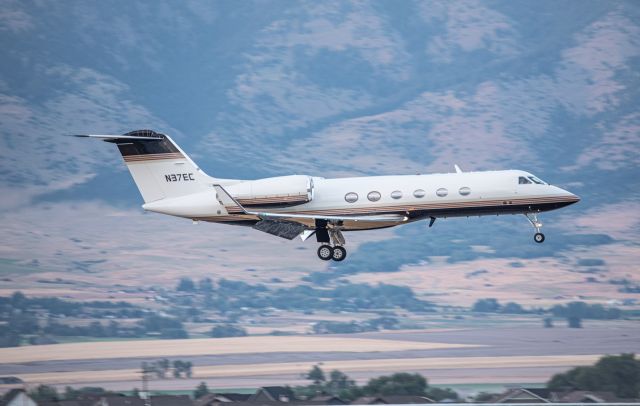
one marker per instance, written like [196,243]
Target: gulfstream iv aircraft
[299,205]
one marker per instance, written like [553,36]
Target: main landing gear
[533,219]
[334,249]
[327,252]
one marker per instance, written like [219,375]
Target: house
[327,400]
[160,400]
[401,400]
[17,397]
[393,400]
[212,399]
[523,395]
[273,394]
[581,396]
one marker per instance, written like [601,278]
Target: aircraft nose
[571,198]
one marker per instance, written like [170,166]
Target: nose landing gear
[533,219]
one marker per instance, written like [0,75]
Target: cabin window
[396,194]
[442,192]
[523,181]
[351,197]
[419,193]
[374,196]
[464,191]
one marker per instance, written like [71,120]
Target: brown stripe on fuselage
[497,203]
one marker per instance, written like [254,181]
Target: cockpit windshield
[529,180]
[536,180]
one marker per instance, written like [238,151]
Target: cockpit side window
[536,180]
[523,181]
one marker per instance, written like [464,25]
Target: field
[349,367]
[497,355]
[208,346]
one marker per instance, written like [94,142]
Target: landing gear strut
[334,250]
[533,219]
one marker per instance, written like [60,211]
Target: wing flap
[284,229]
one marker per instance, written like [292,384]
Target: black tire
[325,252]
[539,238]
[338,254]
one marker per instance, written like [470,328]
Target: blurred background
[265,88]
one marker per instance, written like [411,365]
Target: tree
[616,373]
[490,305]
[205,285]
[186,285]
[201,390]
[44,393]
[339,384]
[439,394]
[397,384]
[316,375]
[513,308]
[574,322]
[548,322]
[173,333]
[227,330]
[9,339]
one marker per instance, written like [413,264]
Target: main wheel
[538,237]
[339,254]
[325,252]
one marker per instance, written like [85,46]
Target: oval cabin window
[464,191]
[396,194]
[374,196]
[419,193]
[351,197]
[442,192]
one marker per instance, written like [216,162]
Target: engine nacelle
[196,205]
[279,191]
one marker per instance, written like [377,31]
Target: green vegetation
[335,327]
[619,374]
[201,390]
[585,311]
[229,296]
[164,368]
[227,330]
[493,306]
[339,384]
[45,393]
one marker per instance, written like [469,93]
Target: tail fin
[159,167]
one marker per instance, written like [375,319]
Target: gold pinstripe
[152,157]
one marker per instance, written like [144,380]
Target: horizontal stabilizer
[106,137]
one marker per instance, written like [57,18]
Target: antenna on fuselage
[458,170]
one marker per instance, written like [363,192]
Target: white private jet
[299,205]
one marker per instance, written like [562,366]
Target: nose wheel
[533,219]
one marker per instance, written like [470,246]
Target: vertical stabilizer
[159,167]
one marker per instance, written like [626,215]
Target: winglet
[458,170]
[227,200]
